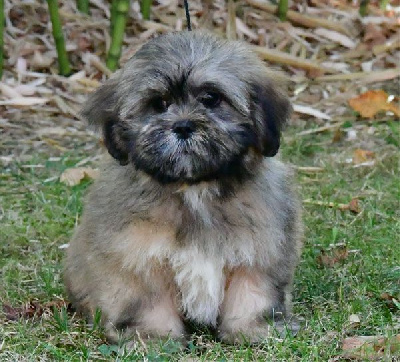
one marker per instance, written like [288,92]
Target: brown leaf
[73,176]
[390,300]
[370,103]
[329,258]
[11,313]
[373,35]
[354,206]
[351,206]
[31,309]
[338,135]
[370,346]
[361,156]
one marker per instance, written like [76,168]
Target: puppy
[192,219]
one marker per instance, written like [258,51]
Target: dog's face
[189,107]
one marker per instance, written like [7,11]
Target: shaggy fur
[193,219]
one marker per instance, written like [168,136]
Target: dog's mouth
[172,172]
[202,155]
[188,161]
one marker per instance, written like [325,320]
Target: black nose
[183,129]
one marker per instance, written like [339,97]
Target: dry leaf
[361,156]
[354,206]
[370,346]
[41,61]
[8,91]
[24,101]
[351,206]
[59,131]
[31,309]
[373,35]
[338,135]
[354,319]
[310,169]
[336,37]
[329,258]
[310,111]
[73,176]
[370,103]
[391,301]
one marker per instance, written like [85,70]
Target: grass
[38,214]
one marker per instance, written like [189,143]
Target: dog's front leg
[152,312]
[250,297]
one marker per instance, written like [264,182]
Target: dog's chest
[197,243]
[152,252]
[214,240]
[200,280]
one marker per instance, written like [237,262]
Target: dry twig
[301,19]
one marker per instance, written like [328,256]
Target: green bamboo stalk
[63,63]
[83,6]
[112,17]
[363,7]
[145,8]
[383,4]
[121,14]
[1,36]
[283,7]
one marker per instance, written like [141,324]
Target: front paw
[258,331]
[246,334]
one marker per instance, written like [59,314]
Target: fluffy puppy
[192,219]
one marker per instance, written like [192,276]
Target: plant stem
[112,17]
[363,7]
[117,36]
[63,63]
[383,4]
[1,37]
[145,7]
[283,7]
[83,6]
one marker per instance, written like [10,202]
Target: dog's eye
[160,104]
[211,99]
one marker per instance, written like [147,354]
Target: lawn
[347,283]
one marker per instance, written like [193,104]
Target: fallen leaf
[41,61]
[354,320]
[391,301]
[373,35]
[361,156]
[24,101]
[310,111]
[11,313]
[59,131]
[370,103]
[338,135]
[336,37]
[370,346]
[8,91]
[329,258]
[74,176]
[31,309]
[351,206]
[310,169]
[354,206]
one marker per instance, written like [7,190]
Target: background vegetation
[343,141]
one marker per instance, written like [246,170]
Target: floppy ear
[271,110]
[101,111]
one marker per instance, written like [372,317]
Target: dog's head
[189,107]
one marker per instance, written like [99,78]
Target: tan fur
[158,247]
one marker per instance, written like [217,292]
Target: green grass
[38,214]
